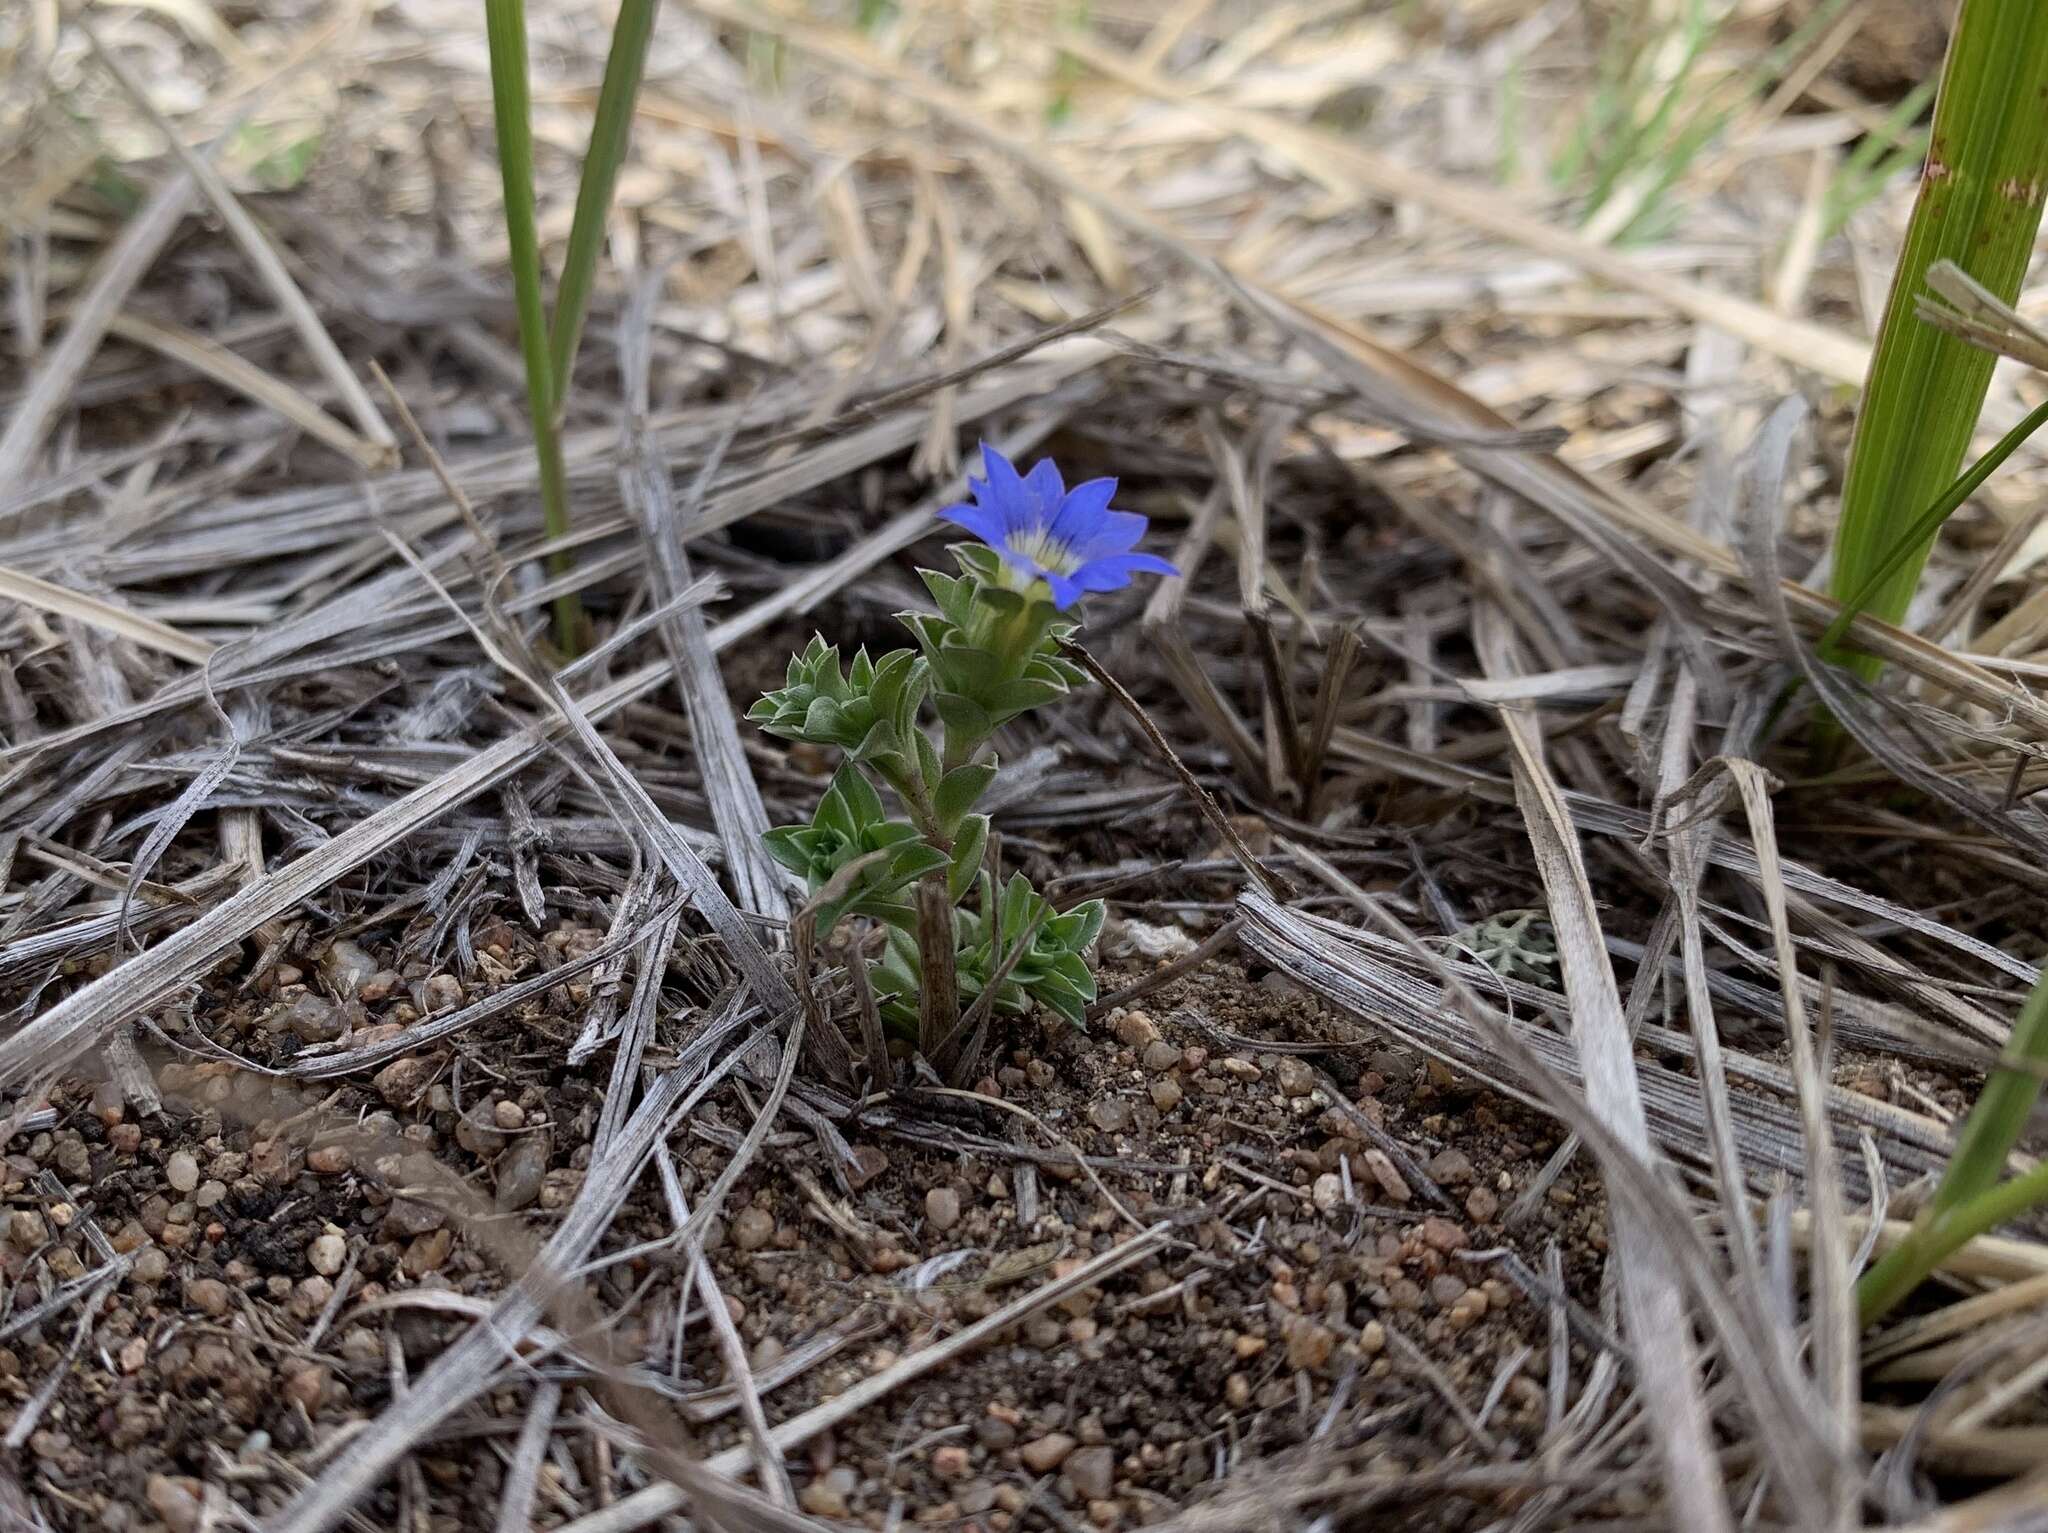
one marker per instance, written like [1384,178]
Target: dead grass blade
[142,239]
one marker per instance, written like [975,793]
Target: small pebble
[1112,1115]
[868,1163]
[407,1217]
[994,1433]
[1166,1094]
[1046,1453]
[942,1208]
[27,1229]
[1161,1056]
[329,1160]
[508,1115]
[312,1019]
[207,1295]
[304,1386]
[1452,1168]
[1482,1204]
[1391,1181]
[327,1254]
[400,1082]
[176,1499]
[182,1171]
[1093,1471]
[108,1105]
[951,1462]
[1135,1030]
[427,1253]
[822,1500]
[1296,1077]
[753,1228]
[1328,1192]
[1309,1345]
[522,1170]
[347,968]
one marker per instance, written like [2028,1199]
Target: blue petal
[1047,486]
[984,521]
[1018,506]
[1065,592]
[1080,515]
[1115,572]
[1117,532]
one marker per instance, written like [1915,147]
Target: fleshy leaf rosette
[852,834]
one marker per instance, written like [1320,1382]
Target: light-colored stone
[1044,1454]
[1393,1186]
[753,1228]
[1136,1029]
[327,1254]
[182,1171]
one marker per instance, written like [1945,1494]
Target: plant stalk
[505,25]
[1970,1199]
[1979,205]
[609,133]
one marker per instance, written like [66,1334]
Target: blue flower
[1070,539]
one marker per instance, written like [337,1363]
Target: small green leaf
[878,744]
[969,841]
[944,588]
[1091,914]
[929,769]
[977,559]
[913,862]
[860,795]
[835,812]
[967,669]
[963,715]
[1014,697]
[1003,600]
[785,847]
[959,790]
[822,721]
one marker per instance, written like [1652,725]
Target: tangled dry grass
[1461,812]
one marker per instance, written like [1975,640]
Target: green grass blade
[505,25]
[1922,529]
[1980,206]
[609,133]
[1970,1199]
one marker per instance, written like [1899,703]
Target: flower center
[1047,552]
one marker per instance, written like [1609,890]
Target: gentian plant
[988,654]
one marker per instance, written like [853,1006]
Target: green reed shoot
[547,349]
[1979,205]
[1971,1200]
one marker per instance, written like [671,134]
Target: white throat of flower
[1043,549]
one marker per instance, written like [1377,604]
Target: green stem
[910,787]
[1970,1193]
[1929,522]
[505,24]
[609,132]
[1933,1240]
[1979,205]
